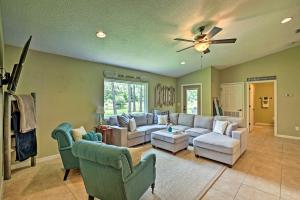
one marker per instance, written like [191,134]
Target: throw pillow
[132,125]
[156,113]
[77,133]
[123,120]
[220,127]
[113,121]
[174,118]
[162,119]
[231,127]
[136,154]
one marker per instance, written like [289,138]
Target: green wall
[201,76]
[286,66]
[68,90]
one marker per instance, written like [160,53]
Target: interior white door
[251,106]
[232,99]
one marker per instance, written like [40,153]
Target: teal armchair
[63,134]
[108,173]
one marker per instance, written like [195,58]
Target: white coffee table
[173,142]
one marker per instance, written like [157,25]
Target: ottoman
[217,147]
[173,142]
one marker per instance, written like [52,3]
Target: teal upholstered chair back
[108,173]
[63,135]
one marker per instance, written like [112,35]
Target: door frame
[275,102]
[181,90]
[243,100]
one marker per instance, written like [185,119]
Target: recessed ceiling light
[100,34]
[286,20]
[182,62]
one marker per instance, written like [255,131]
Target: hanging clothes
[26,145]
[26,107]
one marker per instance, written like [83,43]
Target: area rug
[182,176]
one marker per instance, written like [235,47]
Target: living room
[68,65]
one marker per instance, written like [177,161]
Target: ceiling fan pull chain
[201,60]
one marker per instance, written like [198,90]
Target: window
[124,97]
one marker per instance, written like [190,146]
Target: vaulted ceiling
[140,33]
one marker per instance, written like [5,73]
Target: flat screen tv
[15,75]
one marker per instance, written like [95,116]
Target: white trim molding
[39,160]
[275,102]
[201,98]
[288,137]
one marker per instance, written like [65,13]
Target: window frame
[146,84]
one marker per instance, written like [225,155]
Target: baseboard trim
[38,160]
[288,137]
[263,124]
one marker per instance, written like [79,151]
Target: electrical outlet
[297,128]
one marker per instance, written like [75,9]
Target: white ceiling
[140,33]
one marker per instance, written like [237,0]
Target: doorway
[191,98]
[262,104]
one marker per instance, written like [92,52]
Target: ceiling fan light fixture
[182,62]
[201,46]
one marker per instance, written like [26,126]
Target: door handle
[240,110]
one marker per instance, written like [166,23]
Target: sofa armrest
[242,135]
[120,135]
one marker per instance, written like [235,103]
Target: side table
[104,129]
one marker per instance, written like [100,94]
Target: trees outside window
[124,97]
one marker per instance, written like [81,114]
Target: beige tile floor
[269,169]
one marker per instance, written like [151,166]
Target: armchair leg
[66,174]
[152,187]
[91,197]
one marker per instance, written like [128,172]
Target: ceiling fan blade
[214,32]
[184,40]
[185,48]
[206,51]
[232,40]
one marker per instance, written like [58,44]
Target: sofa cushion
[149,117]
[140,119]
[186,119]
[217,142]
[205,122]
[195,132]
[135,134]
[174,118]
[148,129]
[181,127]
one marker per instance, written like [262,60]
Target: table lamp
[100,112]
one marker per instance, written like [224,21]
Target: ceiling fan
[202,41]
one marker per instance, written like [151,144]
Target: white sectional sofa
[222,148]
